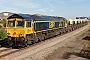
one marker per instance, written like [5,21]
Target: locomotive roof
[24,16]
[30,17]
[47,18]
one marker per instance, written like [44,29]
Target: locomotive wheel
[44,37]
[10,42]
[24,44]
[39,37]
[33,41]
[35,38]
[29,42]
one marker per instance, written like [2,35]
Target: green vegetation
[54,51]
[2,34]
[0,26]
[3,21]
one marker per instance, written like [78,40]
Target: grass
[54,51]
[2,34]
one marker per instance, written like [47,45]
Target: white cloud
[50,4]
[52,10]
[19,6]
[45,10]
[61,2]
[2,1]
[10,9]
[41,10]
[21,3]
[77,0]
[15,10]
[26,4]
[80,0]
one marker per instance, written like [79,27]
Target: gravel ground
[71,51]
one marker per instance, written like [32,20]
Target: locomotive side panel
[38,26]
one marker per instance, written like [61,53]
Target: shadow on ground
[84,53]
[80,54]
[4,43]
[86,38]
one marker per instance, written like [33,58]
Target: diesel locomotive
[24,29]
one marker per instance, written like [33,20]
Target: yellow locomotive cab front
[19,28]
[15,28]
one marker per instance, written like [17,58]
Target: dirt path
[71,51]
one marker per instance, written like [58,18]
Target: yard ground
[72,49]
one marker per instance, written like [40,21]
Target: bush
[4,24]
[2,34]
[3,21]
[0,26]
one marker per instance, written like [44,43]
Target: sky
[65,8]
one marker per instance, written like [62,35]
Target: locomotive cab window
[28,24]
[11,23]
[20,23]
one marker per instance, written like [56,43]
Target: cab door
[29,27]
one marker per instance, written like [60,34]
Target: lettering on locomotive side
[51,24]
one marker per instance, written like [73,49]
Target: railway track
[3,43]
[7,51]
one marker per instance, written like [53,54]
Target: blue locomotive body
[48,22]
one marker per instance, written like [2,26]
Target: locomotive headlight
[8,33]
[21,35]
